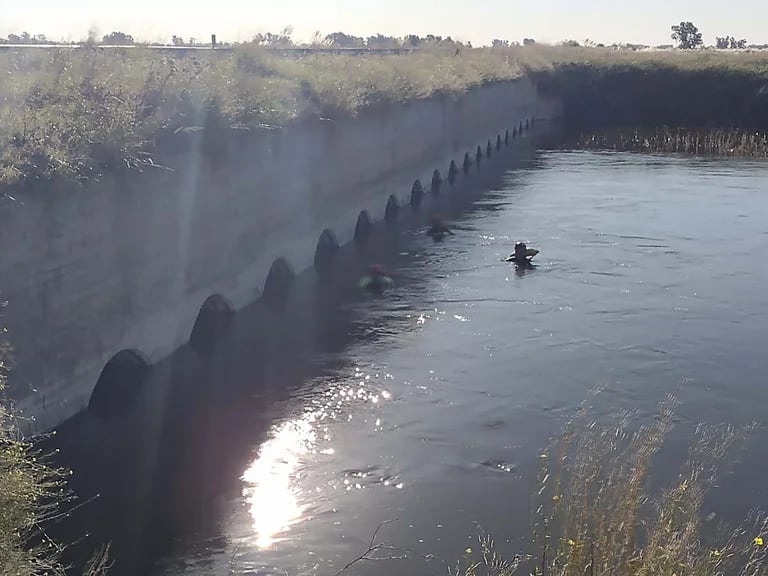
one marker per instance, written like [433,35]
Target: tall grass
[77,113]
[32,495]
[596,516]
[542,57]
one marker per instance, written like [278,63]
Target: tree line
[282,39]
[688,37]
[686,34]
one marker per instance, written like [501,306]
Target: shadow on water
[147,477]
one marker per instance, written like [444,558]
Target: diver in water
[376,280]
[439,229]
[522,255]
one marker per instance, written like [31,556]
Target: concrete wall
[126,263]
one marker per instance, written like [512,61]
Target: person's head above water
[376,270]
[520,250]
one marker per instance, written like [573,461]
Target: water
[432,414]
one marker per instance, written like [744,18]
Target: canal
[428,407]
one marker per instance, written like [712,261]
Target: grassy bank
[77,113]
[74,113]
[33,495]
[648,94]
[27,487]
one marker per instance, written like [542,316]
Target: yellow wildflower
[715,553]
[758,541]
[555,498]
[571,542]
[468,551]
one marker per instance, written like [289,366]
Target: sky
[478,21]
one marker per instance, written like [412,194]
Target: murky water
[431,414]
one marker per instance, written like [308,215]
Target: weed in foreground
[595,516]
[32,496]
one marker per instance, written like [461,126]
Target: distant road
[298,51]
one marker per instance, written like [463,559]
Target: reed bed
[668,140]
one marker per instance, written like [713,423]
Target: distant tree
[570,43]
[432,40]
[528,41]
[411,41]
[118,39]
[730,42]
[381,42]
[498,43]
[177,40]
[342,40]
[687,36]
[23,38]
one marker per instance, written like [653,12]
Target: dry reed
[75,113]
[33,495]
[595,516]
[666,140]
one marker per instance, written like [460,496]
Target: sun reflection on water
[272,497]
[272,490]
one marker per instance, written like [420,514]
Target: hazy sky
[476,20]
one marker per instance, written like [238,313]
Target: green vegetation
[687,36]
[595,514]
[26,490]
[76,113]
[693,101]
[32,496]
